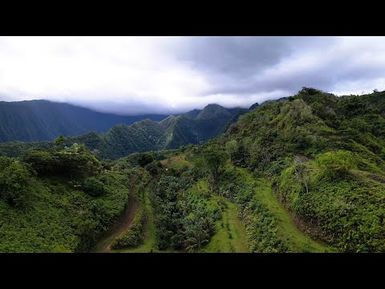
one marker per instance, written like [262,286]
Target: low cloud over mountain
[133,75]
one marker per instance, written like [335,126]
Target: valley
[303,174]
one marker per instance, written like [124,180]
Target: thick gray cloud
[131,75]
[264,65]
[235,56]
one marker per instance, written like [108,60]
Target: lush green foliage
[230,233]
[341,204]
[213,162]
[75,161]
[261,224]
[305,173]
[335,164]
[144,135]
[14,182]
[325,156]
[52,213]
[94,186]
[184,220]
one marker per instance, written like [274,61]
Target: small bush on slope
[15,179]
[335,165]
[94,187]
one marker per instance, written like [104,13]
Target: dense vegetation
[302,174]
[184,220]
[40,120]
[58,200]
[146,135]
[324,156]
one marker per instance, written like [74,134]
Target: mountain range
[193,127]
[41,120]
[109,136]
[304,173]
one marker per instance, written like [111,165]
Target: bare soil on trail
[120,227]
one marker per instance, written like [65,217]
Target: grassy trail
[149,244]
[230,233]
[119,228]
[297,240]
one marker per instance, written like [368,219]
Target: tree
[231,148]
[14,184]
[154,168]
[238,153]
[214,160]
[301,172]
[94,187]
[336,164]
[74,162]
[42,162]
[145,158]
[59,141]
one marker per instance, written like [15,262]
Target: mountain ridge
[174,131]
[302,174]
[170,132]
[43,120]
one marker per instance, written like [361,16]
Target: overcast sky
[132,75]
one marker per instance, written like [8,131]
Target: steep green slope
[43,209]
[180,131]
[173,132]
[302,174]
[40,120]
[324,156]
[307,174]
[287,229]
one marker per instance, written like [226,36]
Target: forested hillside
[194,127]
[302,174]
[39,120]
[58,200]
[172,132]
[324,157]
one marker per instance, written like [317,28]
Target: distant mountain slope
[193,127]
[174,131]
[40,120]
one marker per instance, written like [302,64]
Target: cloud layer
[132,75]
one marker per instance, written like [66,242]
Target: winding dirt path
[121,226]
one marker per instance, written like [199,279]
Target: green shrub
[154,168]
[14,184]
[94,187]
[145,158]
[73,162]
[4,162]
[336,164]
[214,160]
[184,219]
[43,162]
